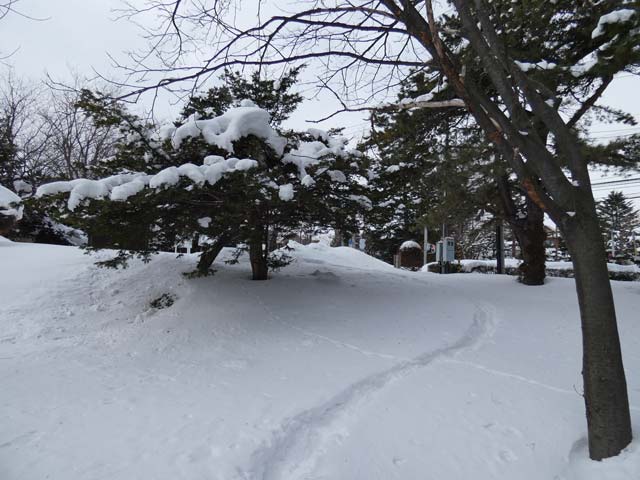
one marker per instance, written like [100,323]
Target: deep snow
[340,367]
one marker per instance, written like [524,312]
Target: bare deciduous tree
[75,142]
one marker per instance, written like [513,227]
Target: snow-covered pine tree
[225,174]
[618,220]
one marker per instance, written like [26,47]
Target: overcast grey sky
[78,34]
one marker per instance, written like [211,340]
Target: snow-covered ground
[340,367]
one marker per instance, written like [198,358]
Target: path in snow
[296,446]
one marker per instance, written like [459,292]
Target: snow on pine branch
[617,16]
[426,100]
[235,123]
[407,103]
[10,204]
[541,65]
[220,131]
[121,187]
[590,59]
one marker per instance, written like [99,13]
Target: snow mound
[321,253]
[280,379]
[622,467]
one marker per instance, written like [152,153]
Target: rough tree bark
[208,256]
[568,200]
[529,231]
[605,387]
[258,254]
[531,237]
[6,224]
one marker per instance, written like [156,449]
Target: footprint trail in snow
[295,448]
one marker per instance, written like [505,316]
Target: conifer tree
[224,174]
[618,220]
[455,175]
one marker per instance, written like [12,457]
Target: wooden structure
[409,256]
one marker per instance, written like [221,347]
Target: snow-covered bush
[625,273]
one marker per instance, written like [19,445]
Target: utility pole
[614,226]
[499,248]
[425,246]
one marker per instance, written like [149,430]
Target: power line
[598,137]
[603,188]
[609,182]
[616,130]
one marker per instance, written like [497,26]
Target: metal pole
[425,246]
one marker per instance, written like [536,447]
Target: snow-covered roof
[409,244]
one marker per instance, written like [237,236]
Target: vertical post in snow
[425,246]
[557,242]
[499,248]
[443,268]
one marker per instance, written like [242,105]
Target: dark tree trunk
[529,231]
[208,256]
[273,239]
[195,244]
[531,237]
[605,387]
[258,257]
[6,224]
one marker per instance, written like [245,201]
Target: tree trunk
[258,257]
[529,231]
[605,387]
[195,243]
[208,256]
[531,237]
